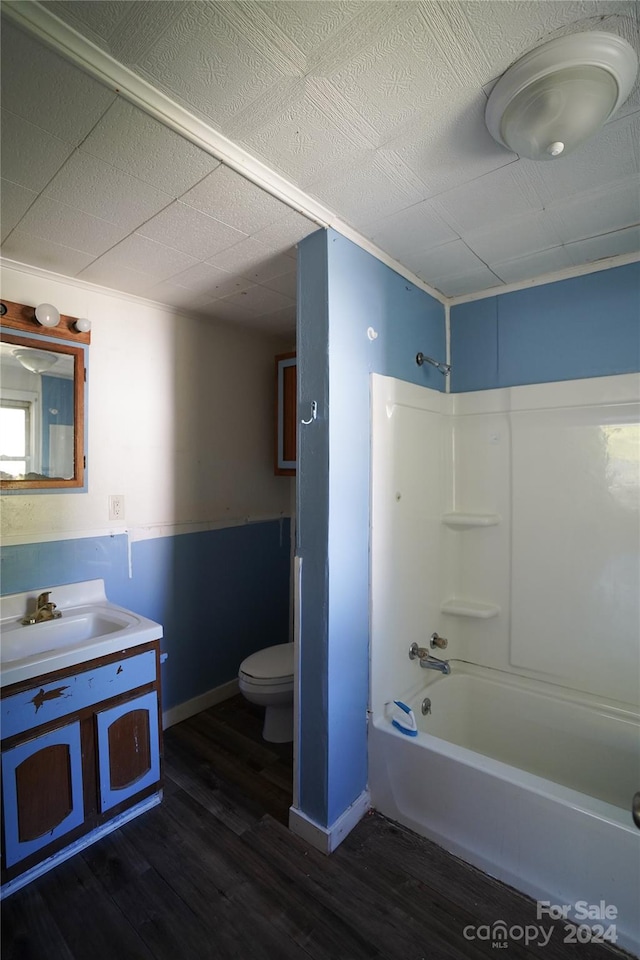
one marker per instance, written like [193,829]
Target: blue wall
[313,521]
[220,595]
[342,291]
[584,327]
[57,394]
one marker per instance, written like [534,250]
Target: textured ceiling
[376,109]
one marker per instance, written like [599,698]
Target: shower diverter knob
[436,641]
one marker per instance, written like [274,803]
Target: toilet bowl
[266,678]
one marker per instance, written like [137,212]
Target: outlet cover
[116,507]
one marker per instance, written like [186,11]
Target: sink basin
[72,628]
[89,627]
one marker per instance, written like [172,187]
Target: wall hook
[314,414]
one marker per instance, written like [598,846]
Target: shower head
[444,368]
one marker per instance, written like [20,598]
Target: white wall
[559,466]
[180,420]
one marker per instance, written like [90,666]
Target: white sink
[77,626]
[89,627]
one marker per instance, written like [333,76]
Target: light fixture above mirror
[45,319]
[42,400]
[47,315]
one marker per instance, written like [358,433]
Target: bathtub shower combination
[507,522]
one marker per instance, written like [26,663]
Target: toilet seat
[266,679]
[269,667]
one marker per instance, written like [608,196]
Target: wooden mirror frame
[21,318]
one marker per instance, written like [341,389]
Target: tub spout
[432,663]
[428,661]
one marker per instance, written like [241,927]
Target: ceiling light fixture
[560,94]
[47,315]
[35,361]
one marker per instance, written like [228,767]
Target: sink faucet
[426,659]
[45,610]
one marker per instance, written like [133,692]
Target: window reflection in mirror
[41,414]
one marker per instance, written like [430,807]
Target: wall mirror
[42,416]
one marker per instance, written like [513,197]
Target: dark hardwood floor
[214,873]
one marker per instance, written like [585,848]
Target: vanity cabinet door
[128,749]
[42,791]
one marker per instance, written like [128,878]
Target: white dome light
[560,94]
[47,315]
[36,361]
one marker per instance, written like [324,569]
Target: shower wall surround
[512,528]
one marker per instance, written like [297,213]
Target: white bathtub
[528,781]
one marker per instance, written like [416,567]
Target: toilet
[266,678]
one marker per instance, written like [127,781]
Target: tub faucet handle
[436,641]
[417,653]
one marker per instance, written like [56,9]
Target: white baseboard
[190,707]
[327,839]
[81,844]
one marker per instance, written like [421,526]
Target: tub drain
[426,706]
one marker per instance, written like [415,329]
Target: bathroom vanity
[81,726]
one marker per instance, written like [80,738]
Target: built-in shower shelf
[463,521]
[470,608]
